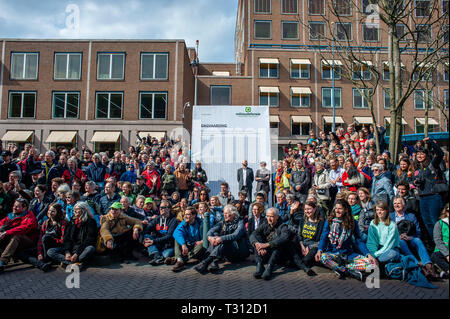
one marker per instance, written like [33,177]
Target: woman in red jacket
[73,173]
[353,178]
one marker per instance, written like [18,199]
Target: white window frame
[343,23]
[25,54]
[446,98]
[254,30]
[109,105]
[282,30]
[110,66]
[300,97]
[308,67]
[154,78]
[301,130]
[219,86]
[386,94]
[153,93]
[332,71]
[68,54]
[22,93]
[336,89]
[363,99]
[431,33]
[268,71]
[423,99]
[351,9]
[363,68]
[65,104]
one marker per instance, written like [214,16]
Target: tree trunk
[427,104]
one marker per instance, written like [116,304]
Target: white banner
[224,136]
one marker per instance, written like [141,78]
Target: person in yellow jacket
[119,233]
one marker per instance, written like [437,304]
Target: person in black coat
[262,179]
[40,203]
[255,219]
[245,179]
[79,240]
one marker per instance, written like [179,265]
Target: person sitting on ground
[227,240]
[119,233]
[188,239]
[80,235]
[18,231]
[336,244]
[157,236]
[383,240]
[410,233]
[440,236]
[51,236]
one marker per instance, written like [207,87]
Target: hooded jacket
[189,234]
[22,224]
[382,188]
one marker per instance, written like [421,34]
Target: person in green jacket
[169,181]
[383,240]
[440,237]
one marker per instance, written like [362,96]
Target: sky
[212,22]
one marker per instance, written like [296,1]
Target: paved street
[140,280]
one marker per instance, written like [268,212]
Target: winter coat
[162,230]
[277,236]
[154,188]
[427,177]
[96,172]
[115,226]
[182,179]
[382,188]
[40,213]
[58,237]
[169,182]
[189,234]
[22,224]
[233,231]
[322,181]
[302,178]
[87,236]
[105,202]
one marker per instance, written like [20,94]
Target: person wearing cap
[140,188]
[157,236]
[426,178]
[18,230]
[119,233]
[7,166]
[152,178]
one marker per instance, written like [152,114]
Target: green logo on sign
[248,109]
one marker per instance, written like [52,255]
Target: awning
[425,65]
[364,119]
[221,73]
[301,90]
[300,61]
[61,137]
[269,61]
[386,63]
[274,119]
[388,119]
[329,119]
[106,137]
[158,135]
[301,119]
[330,62]
[369,63]
[17,136]
[269,89]
[431,121]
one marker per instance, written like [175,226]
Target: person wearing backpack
[440,237]
[428,178]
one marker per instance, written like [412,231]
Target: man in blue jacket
[227,239]
[188,239]
[96,171]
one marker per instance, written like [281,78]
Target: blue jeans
[418,246]
[154,250]
[430,209]
[58,254]
[392,255]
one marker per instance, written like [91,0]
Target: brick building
[277,63]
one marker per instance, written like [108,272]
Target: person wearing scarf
[353,200]
[73,173]
[335,248]
[227,239]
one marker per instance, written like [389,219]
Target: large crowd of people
[338,201]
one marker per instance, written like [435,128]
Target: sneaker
[213,267]
[157,261]
[64,265]
[339,274]
[179,265]
[45,267]
[170,261]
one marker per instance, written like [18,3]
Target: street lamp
[187,104]
[332,78]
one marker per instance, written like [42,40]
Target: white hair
[232,209]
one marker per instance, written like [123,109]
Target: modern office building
[99,92]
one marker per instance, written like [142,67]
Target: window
[446,73]
[263,29]
[343,7]
[427,75]
[359,101]
[419,100]
[268,99]
[370,32]
[220,95]
[262,6]
[316,7]
[326,97]
[386,74]
[289,6]
[22,104]
[154,66]
[111,66]
[420,128]
[445,6]
[445,33]
[109,105]
[386,99]
[401,32]
[424,33]
[67,66]
[326,72]
[24,66]
[361,72]
[300,71]
[343,31]
[268,70]
[316,30]
[446,99]
[300,128]
[290,30]
[423,8]
[152,105]
[300,100]
[66,104]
